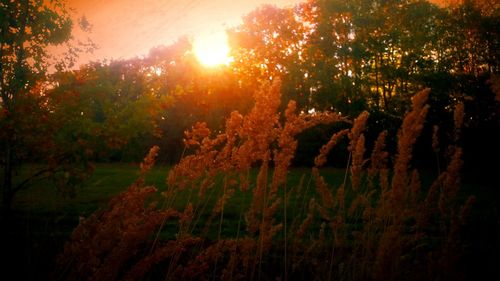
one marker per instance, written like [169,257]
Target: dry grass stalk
[357,162]
[413,124]
[320,160]
[365,232]
[357,129]
[323,190]
[378,159]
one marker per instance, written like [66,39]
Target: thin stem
[347,168]
[285,230]
[220,224]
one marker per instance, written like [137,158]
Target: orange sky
[129,28]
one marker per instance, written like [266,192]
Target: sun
[212,49]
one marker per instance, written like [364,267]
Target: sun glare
[212,49]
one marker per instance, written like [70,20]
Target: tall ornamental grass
[219,219]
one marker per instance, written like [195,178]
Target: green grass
[42,204]
[43,219]
[106,181]
[41,212]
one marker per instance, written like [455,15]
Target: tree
[112,107]
[193,94]
[27,29]
[270,44]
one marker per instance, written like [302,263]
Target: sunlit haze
[212,49]
[129,28]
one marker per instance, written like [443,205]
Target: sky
[130,28]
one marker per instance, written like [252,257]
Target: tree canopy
[28,128]
[341,56]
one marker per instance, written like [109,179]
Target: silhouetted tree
[27,28]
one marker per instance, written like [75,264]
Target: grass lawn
[43,219]
[106,181]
